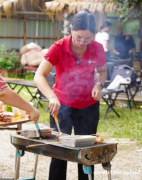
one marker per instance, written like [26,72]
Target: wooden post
[140,39]
[24,40]
[43,5]
[59,27]
[66,23]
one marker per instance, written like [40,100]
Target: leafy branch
[127,8]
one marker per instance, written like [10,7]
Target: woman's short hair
[106,24]
[83,20]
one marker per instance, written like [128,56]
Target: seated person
[123,44]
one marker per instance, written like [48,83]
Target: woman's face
[108,28]
[82,38]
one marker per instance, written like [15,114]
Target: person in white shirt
[103,38]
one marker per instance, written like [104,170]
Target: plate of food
[6,116]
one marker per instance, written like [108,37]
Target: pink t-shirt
[2,84]
[74,78]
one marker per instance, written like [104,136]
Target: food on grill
[33,133]
[6,116]
[57,135]
[99,140]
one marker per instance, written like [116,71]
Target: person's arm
[100,78]
[134,53]
[41,82]
[9,97]
[110,49]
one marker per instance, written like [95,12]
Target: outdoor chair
[110,95]
[116,62]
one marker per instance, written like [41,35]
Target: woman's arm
[100,78]
[9,97]
[41,82]
[110,49]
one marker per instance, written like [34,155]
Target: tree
[127,8]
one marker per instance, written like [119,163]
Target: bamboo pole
[28,37]
[30,13]
[140,29]
[12,37]
[30,18]
[43,5]
[24,40]
[59,27]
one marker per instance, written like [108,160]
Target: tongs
[39,131]
[57,123]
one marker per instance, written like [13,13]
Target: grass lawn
[129,125]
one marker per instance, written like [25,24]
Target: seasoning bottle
[8,108]
[1,103]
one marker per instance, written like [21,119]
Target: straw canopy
[74,6]
[8,5]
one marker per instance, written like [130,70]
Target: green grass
[129,125]
[29,76]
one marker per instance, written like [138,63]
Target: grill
[88,155]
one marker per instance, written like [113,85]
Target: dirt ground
[126,165]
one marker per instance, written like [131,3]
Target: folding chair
[110,96]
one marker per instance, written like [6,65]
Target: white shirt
[101,37]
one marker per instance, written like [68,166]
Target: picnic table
[23,83]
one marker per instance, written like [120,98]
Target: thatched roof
[8,5]
[74,6]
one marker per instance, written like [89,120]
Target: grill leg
[90,176]
[107,166]
[35,166]
[88,170]
[17,168]
[109,175]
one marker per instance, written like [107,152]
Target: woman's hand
[33,114]
[54,105]
[96,92]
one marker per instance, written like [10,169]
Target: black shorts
[84,121]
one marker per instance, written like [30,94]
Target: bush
[8,63]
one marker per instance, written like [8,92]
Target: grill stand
[17,172]
[99,153]
[86,169]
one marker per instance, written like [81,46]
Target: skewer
[57,123]
[93,135]
[37,126]
[43,144]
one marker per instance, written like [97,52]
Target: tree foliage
[127,8]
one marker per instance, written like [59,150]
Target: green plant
[127,8]
[7,63]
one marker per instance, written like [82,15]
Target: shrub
[10,62]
